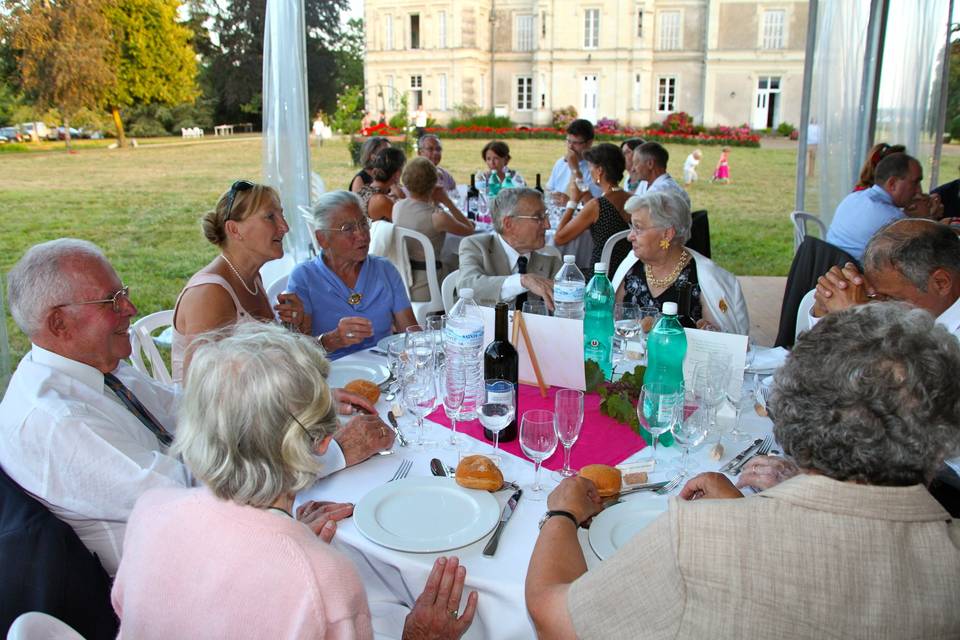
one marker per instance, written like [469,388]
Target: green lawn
[142,206]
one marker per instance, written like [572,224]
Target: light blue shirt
[859,216]
[560,177]
[325,297]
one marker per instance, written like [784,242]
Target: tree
[348,54]
[61,54]
[152,56]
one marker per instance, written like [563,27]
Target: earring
[664,244]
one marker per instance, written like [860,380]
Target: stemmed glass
[453,391]
[626,324]
[435,326]
[538,439]
[420,396]
[691,429]
[568,417]
[648,319]
[497,411]
[710,379]
[659,409]
[420,347]
[396,358]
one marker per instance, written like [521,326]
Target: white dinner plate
[425,515]
[384,343]
[343,372]
[615,525]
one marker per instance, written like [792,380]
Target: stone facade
[726,62]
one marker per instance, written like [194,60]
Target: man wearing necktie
[82,431]
[507,265]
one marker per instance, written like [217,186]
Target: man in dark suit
[506,265]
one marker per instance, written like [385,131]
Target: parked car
[61,134]
[35,131]
[11,134]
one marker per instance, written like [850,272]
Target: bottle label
[470,337]
[568,291]
[501,397]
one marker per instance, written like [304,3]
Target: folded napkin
[767,360]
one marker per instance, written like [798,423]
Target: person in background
[651,161]
[350,299]
[949,194]
[632,181]
[813,141]
[253,451]
[603,216]
[420,212]
[572,167]
[722,172]
[501,266]
[371,147]
[420,118]
[496,155]
[430,147]
[690,167]
[378,197]
[868,405]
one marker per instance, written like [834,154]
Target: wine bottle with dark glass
[473,199]
[538,187]
[501,362]
[684,303]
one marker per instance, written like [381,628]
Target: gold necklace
[662,283]
[256,285]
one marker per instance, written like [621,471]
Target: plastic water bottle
[568,288]
[598,319]
[463,352]
[666,350]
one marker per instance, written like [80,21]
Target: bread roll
[479,472]
[608,479]
[364,388]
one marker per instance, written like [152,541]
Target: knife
[508,509]
[740,456]
[438,468]
[396,428]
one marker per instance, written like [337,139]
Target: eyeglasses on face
[540,218]
[116,300]
[235,188]
[363,226]
[575,142]
[636,228]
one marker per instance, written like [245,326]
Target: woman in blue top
[350,299]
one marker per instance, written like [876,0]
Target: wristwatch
[557,512]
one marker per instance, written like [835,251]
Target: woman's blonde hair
[243,204]
[419,176]
[256,403]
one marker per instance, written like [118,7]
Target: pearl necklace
[256,285]
[669,279]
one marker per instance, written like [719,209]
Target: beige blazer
[484,267]
[809,558]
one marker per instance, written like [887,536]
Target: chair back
[276,288]
[813,259]
[435,303]
[382,242]
[143,345]
[803,313]
[700,233]
[35,625]
[800,220]
[307,214]
[607,252]
[448,290]
[623,269]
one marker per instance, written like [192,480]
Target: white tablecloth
[394,579]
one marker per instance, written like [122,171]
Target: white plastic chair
[549,250]
[35,625]
[307,213]
[623,269]
[610,243]
[448,290]
[276,288]
[141,341]
[800,220]
[435,303]
[803,311]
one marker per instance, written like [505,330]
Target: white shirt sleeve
[511,287]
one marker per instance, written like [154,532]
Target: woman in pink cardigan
[230,560]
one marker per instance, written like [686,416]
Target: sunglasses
[235,188]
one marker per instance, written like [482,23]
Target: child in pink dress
[722,172]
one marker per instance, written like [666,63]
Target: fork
[762,450]
[402,470]
[670,486]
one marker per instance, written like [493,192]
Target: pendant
[355,299]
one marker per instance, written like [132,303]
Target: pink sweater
[195,566]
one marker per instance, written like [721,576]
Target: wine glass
[710,379]
[396,358]
[626,324]
[538,439]
[568,412]
[498,410]
[420,396]
[453,392]
[692,428]
[648,319]
[420,347]
[435,325]
[535,308]
[659,408]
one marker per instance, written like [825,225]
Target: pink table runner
[602,439]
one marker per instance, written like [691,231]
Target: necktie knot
[522,264]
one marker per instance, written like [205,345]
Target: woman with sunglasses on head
[248,226]
[351,299]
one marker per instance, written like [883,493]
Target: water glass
[498,410]
[710,379]
[691,430]
[420,396]
[626,324]
[538,440]
[648,320]
[568,418]
[535,307]
[453,392]
[420,347]
[435,325]
[659,409]
[396,358]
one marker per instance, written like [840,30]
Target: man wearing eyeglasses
[572,167]
[506,265]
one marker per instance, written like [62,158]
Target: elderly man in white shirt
[82,431]
[506,265]
[650,164]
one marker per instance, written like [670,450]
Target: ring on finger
[349,334]
[453,613]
